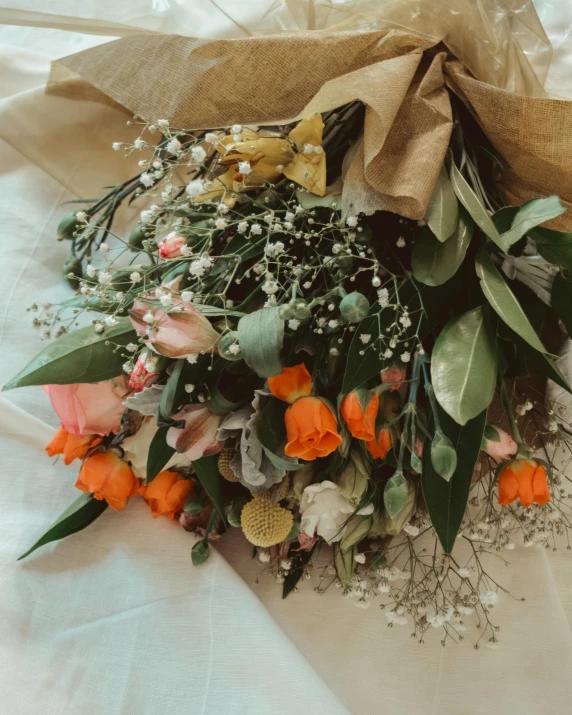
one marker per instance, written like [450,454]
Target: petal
[291,384]
[57,444]
[309,171]
[308,131]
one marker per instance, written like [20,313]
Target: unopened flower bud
[443,456]
[136,238]
[354,307]
[68,226]
[296,309]
[73,271]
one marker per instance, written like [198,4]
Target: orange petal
[57,443]
[360,424]
[291,384]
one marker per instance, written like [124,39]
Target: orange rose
[71,446]
[167,493]
[109,478]
[291,384]
[311,429]
[379,447]
[524,478]
[360,422]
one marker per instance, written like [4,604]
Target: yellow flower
[256,159]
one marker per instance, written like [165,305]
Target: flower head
[167,493]
[291,384]
[170,247]
[325,512]
[525,479]
[70,445]
[109,478]
[381,444]
[198,437]
[311,429]
[503,448]
[360,412]
[144,373]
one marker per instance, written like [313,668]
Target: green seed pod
[68,226]
[443,456]
[73,266]
[296,309]
[225,346]
[354,307]
[136,237]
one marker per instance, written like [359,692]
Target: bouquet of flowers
[268,354]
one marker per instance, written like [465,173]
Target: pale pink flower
[198,437]
[170,247]
[89,408]
[394,374]
[179,332]
[306,542]
[505,448]
[144,373]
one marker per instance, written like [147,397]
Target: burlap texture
[396,73]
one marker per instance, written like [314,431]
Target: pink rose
[170,247]
[179,332]
[504,449]
[89,408]
[144,373]
[198,437]
[394,374]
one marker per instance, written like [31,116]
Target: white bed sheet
[115,620]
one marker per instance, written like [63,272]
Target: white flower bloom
[99,327]
[147,179]
[394,618]
[131,347]
[149,317]
[510,546]
[333,324]
[104,277]
[360,558]
[139,143]
[91,270]
[464,573]
[192,359]
[401,242]
[383,297]
[166,300]
[189,388]
[221,223]
[351,221]
[116,146]
[211,138]
[388,353]
[163,123]
[465,610]
[195,188]
[236,128]
[135,277]
[365,338]
[293,324]
[256,229]
[325,511]
[234,349]
[286,564]
[111,321]
[270,286]
[147,216]
[104,248]
[198,155]
[489,598]
[384,588]
[405,320]
[242,226]
[174,146]
[187,296]
[81,216]
[244,168]
[411,529]
[405,357]
[273,250]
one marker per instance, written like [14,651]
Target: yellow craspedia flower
[264,523]
[223,464]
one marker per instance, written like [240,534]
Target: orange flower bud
[291,384]
[379,447]
[524,478]
[71,446]
[109,478]
[167,493]
[311,429]
[360,423]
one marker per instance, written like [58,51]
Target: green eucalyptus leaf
[395,494]
[503,300]
[80,356]
[159,454]
[235,511]
[200,552]
[271,431]
[84,510]
[464,366]
[208,475]
[443,210]
[476,210]
[561,300]
[260,336]
[434,262]
[530,215]
[447,501]
[554,246]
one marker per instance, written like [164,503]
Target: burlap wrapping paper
[385,57]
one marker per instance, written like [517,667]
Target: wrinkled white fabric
[115,620]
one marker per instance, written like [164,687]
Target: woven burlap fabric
[198,84]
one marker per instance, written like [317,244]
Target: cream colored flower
[325,512]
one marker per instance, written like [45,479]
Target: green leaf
[447,501]
[464,366]
[530,215]
[212,311]
[167,403]
[561,300]
[208,475]
[80,356]
[332,196]
[554,246]
[260,336]
[443,209]
[476,210]
[200,552]
[159,454]
[76,517]
[434,262]
[292,577]
[395,494]
[356,529]
[504,301]
[236,511]
[271,431]
[344,563]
